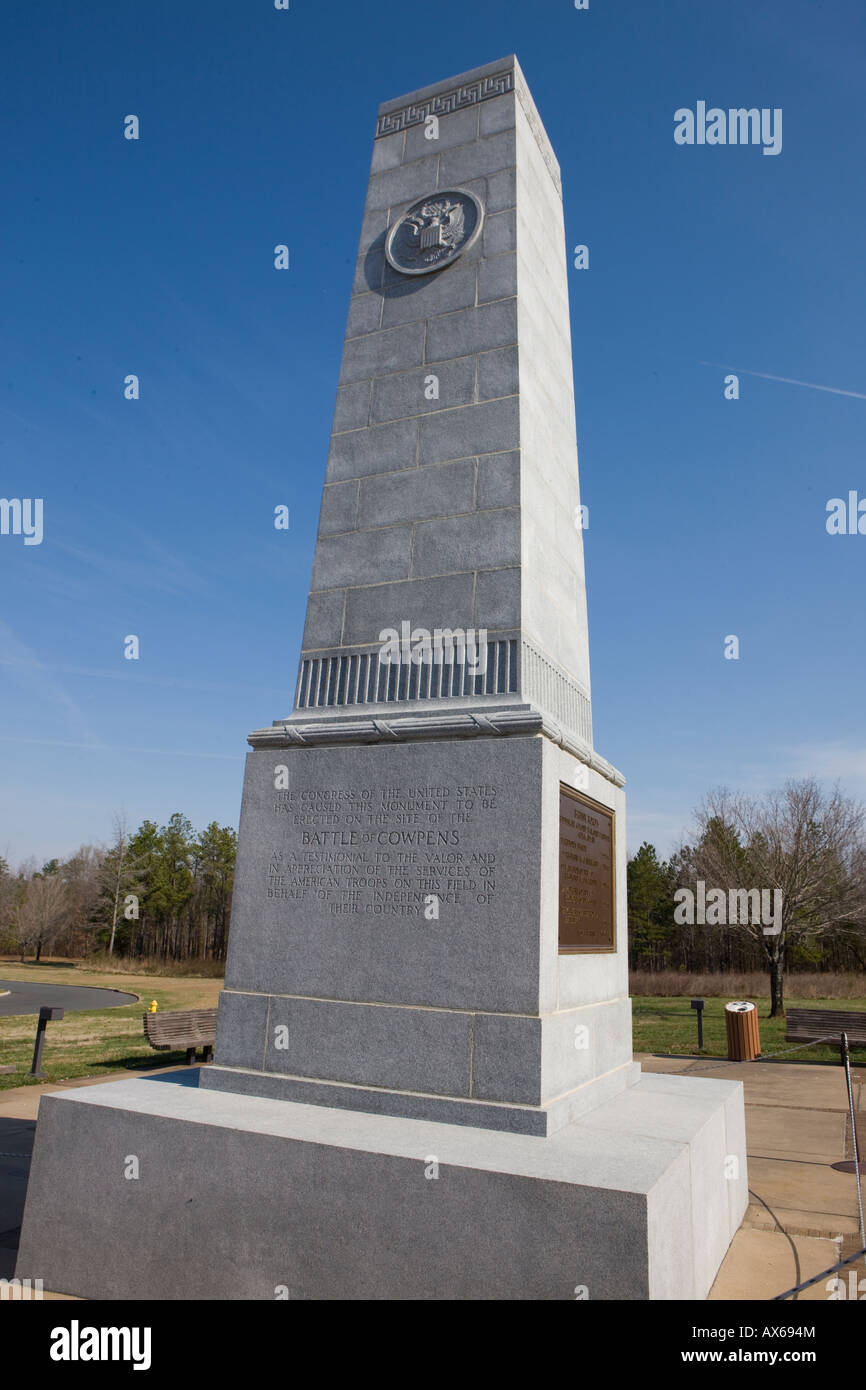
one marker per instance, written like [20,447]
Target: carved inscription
[385,851]
[586,875]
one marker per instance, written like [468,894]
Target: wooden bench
[808,1025]
[186,1028]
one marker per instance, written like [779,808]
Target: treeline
[160,893]
[803,847]
[164,893]
[657,943]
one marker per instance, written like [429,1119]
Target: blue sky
[707,516]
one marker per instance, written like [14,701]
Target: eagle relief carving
[434,231]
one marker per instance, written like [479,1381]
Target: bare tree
[41,912]
[802,841]
[8,890]
[81,874]
[118,875]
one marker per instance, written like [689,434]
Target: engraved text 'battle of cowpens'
[434,231]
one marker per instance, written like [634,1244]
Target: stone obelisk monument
[424,1063]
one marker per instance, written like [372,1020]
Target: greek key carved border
[445,102]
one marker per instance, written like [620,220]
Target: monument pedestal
[243,1198]
[395,929]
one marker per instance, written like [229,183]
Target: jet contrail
[789,381]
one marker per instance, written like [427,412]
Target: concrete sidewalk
[797,1126]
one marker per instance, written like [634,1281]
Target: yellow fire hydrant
[153,1007]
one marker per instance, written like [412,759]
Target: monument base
[518,1119]
[150,1189]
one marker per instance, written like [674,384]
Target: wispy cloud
[663,829]
[171,682]
[122,748]
[144,564]
[38,683]
[830,761]
[788,380]
[13,415]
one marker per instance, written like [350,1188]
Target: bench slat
[807,1025]
[182,1028]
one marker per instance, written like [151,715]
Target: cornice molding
[491,722]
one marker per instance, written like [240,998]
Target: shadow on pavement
[16,1145]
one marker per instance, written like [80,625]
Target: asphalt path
[27,997]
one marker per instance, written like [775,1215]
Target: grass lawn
[666,1025]
[98,1041]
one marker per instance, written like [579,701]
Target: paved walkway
[802,1215]
[28,996]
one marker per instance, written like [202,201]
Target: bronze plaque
[587,905]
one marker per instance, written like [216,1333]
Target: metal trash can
[741,1023]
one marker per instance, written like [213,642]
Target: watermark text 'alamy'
[736,126]
[736,907]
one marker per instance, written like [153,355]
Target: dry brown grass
[744,985]
[126,965]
